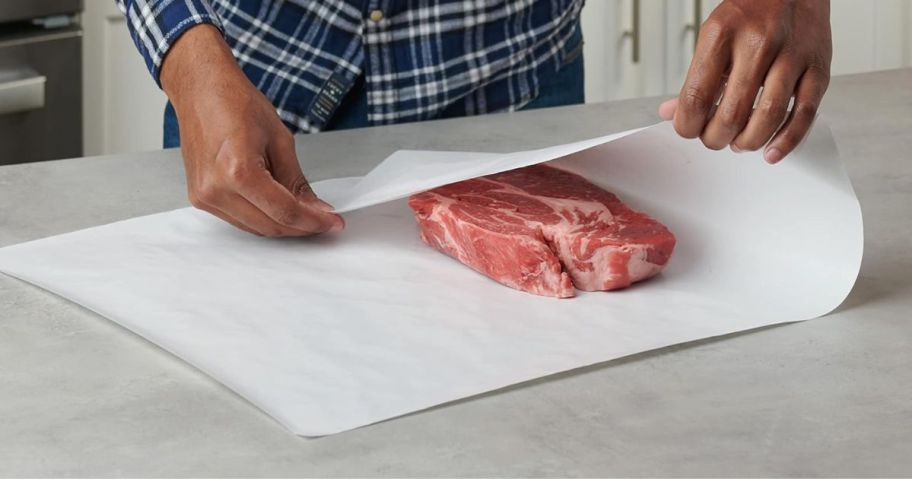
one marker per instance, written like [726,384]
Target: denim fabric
[171,135]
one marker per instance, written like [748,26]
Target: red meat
[543,230]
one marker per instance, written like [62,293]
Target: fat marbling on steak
[543,230]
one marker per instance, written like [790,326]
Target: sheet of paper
[410,171]
[335,332]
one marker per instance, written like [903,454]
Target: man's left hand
[783,46]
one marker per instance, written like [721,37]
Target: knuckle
[301,188]
[741,91]
[236,170]
[771,111]
[694,100]
[819,80]
[749,143]
[805,112]
[819,64]
[754,38]
[791,137]
[763,42]
[766,108]
[730,116]
[287,216]
[712,31]
[685,131]
[196,200]
[712,143]
[204,196]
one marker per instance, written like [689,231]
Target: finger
[667,109]
[230,219]
[811,87]
[238,211]
[704,80]
[285,168]
[206,200]
[751,65]
[283,163]
[287,171]
[255,183]
[771,109]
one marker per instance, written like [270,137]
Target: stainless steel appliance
[40,80]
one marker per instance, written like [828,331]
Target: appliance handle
[24,92]
[634,33]
[697,21]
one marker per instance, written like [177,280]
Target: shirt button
[376,15]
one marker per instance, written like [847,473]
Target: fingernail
[772,155]
[338,225]
[325,206]
[736,149]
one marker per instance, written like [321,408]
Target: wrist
[199,61]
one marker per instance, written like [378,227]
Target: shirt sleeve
[156,24]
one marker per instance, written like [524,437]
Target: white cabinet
[123,105]
[867,35]
[870,35]
[666,40]
[680,37]
[907,43]
[624,48]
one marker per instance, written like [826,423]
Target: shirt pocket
[573,48]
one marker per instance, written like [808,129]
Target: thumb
[283,160]
[668,108]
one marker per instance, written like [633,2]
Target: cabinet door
[614,67]
[907,45]
[123,105]
[868,35]
[681,17]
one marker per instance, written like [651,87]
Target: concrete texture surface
[80,396]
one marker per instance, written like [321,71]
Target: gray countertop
[81,396]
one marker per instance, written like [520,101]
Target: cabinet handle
[634,33]
[23,91]
[697,20]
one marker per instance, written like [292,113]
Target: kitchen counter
[80,395]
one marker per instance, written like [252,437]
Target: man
[242,75]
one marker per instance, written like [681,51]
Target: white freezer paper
[335,332]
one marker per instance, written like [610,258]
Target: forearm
[156,25]
[199,61]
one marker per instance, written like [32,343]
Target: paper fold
[410,171]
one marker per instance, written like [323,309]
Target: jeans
[564,87]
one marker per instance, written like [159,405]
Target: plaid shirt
[420,59]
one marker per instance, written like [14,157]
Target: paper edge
[139,333]
[580,145]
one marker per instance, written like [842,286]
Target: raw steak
[543,230]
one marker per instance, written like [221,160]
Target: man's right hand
[239,157]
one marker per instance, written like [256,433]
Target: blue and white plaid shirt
[421,59]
